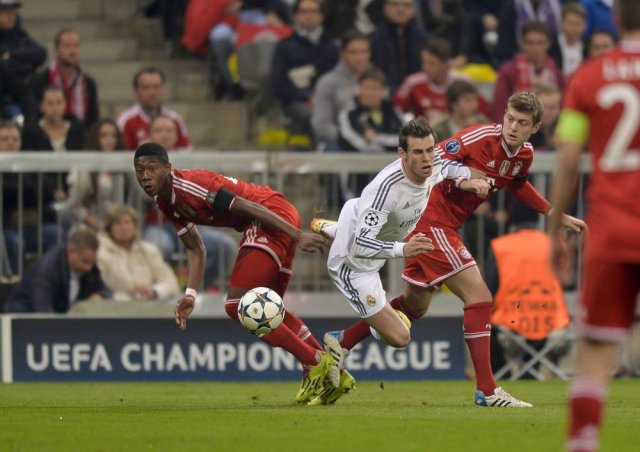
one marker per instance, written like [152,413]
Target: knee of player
[399,339]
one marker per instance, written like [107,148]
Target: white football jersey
[371,228]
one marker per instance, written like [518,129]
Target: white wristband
[191,292]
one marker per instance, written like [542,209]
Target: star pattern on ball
[371,219]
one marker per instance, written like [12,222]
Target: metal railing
[311,181]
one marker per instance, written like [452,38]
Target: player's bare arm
[306,241]
[563,190]
[196,256]
[417,244]
[530,197]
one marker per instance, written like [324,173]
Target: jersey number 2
[617,153]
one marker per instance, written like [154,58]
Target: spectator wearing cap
[21,54]
[19,57]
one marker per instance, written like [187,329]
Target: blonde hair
[117,212]
[525,102]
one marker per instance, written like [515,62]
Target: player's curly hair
[525,102]
[152,150]
[416,128]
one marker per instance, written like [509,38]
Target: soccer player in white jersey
[371,229]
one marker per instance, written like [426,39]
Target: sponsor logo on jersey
[452,147]
[262,240]
[464,253]
[371,219]
[504,167]
[491,164]
[516,168]
[371,300]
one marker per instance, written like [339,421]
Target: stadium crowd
[345,73]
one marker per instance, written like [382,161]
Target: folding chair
[557,338]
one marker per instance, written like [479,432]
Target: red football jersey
[134,124]
[607,91]
[479,147]
[192,194]
[420,96]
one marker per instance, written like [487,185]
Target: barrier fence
[313,182]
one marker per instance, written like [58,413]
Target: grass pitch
[396,416]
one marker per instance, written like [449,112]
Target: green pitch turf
[394,416]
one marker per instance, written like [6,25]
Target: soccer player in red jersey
[602,111]
[270,225]
[502,152]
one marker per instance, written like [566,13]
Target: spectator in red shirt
[148,85]
[424,93]
[528,70]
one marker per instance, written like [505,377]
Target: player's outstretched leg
[314,377]
[329,395]
[499,399]
[296,325]
[326,228]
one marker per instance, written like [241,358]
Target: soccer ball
[261,310]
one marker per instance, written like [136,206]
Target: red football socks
[477,334]
[296,325]
[283,337]
[586,404]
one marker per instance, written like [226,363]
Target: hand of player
[573,223]
[184,308]
[418,244]
[560,258]
[478,186]
[313,242]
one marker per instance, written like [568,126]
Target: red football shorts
[276,244]
[608,300]
[449,257]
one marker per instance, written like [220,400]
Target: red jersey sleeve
[129,136]
[454,148]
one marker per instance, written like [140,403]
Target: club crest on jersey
[464,253]
[516,168]
[504,167]
[371,300]
[452,147]
[371,219]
